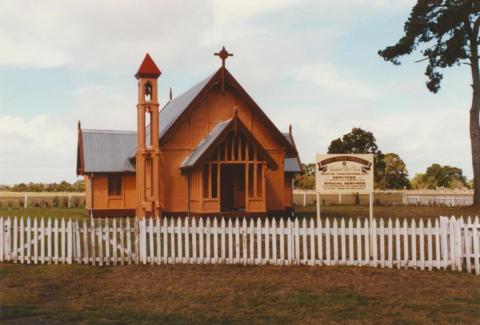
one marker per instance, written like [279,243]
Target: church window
[114,185]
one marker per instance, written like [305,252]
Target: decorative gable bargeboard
[216,152]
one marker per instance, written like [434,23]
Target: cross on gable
[223,54]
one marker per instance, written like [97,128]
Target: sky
[311,64]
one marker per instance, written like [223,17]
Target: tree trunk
[475,118]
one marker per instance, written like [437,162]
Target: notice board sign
[344,173]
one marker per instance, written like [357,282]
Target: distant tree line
[63,186]
[390,171]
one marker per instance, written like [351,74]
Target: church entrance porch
[227,172]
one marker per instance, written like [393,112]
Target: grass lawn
[195,294]
[44,212]
[327,211]
[389,211]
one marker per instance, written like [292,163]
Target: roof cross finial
[223,54]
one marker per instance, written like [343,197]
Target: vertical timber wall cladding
[215,108]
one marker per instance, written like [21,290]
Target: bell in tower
[148,151]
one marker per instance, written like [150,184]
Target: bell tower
[148,151]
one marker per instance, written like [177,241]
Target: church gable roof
[180,106]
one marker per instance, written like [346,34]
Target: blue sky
[312,64]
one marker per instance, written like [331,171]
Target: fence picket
[151,250]
[122,242]
[297,241]
[100,243]
[320,241]
[179,241]
[187,240]
[398,256]
[107,241]
[251,236]
[282,241]
[2,238]
[237,241]
[208,241]
[215,239]
[42,241]
[312,242]
[165,240]
[70,238]
[93,249]
[343,241]
[381,233]
[359,242]
[15,240]
[373,234]
[114,241]
[289,241]
[35,241]
[390,243]
[437,245]
[367,242]
[258,260]
[22,237]
[350,242]
[222,241]
[29,241]
[467,239]
[7,237]
[77,242]
[327,242]
[200,240]
[56,243]
[171,230]
[230,241]
[405,243]
[476,244]
[421,232]
[303,232]
[244,241]
[335,241]
[267,241]
[274,241]
[429,244]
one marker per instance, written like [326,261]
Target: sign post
[344,174]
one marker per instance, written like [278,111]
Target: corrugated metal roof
[174,108]
[108,151]
[190,160]
[291,165]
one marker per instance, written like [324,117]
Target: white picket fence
[447,243]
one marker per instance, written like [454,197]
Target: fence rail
[446,243]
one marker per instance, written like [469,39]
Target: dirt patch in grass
[196,294]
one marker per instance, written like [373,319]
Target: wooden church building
[210,151]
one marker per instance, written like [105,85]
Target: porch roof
[216,136]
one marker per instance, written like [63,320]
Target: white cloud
[333,78]
[36,149]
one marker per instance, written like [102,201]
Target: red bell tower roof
[148,69]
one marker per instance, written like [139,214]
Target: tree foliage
[437,176]
[448,33]
[361,141]
[396,173]
[306,180]
[63,186]
[444,27]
